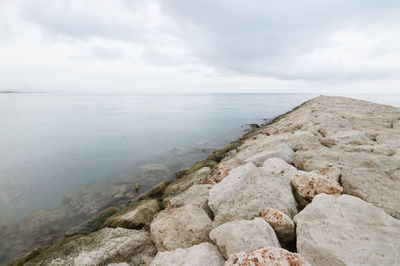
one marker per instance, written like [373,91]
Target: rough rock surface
[184,183]
[347,231]
[306,185]
[180,227]
[109,245]
[243,235]
[281,223]
[282,151]
[204,254]
[137,215]
[247,191]
[195,195]
[267,256]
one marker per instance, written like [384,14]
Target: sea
[52,144]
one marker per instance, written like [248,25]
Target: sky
[129,46]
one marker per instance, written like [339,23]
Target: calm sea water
[52,144]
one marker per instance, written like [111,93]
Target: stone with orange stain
[306,185]
[267,256]
[281,223]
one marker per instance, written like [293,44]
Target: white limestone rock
[365,175]
[277,165]
[204,254]
[243,235]
[247,191]
[180,227]
[195,195]
[347,231]
[282,151]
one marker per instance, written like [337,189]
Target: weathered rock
[306,185]
[204,254]
[181,184]
[225,166]
[282,151]
[347,231]
[278,166]
[267,256]
[180,227]
[196,195]
[92,224]
[365,175]
[243,235]
[139,214]
[247,191]
[109,245]
[281,223]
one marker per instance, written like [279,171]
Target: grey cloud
[269,38]
[255,37]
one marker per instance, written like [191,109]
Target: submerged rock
[281,223]
[108,245]
[247,191]
[139,214]
[267,256]
[243,235]
[180,227]
[347,231]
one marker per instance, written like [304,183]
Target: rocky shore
[319,185]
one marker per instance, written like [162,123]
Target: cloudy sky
[331,46]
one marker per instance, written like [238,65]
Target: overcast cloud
[196,46]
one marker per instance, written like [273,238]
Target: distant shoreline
[8,92]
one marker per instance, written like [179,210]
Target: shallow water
[53,144]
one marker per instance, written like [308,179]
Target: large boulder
[195,195]
[180,227]
[247,191]
[139,214]
[108,245]
[282,151]
[243,235]
[347,231]
[267,256]
[204,254]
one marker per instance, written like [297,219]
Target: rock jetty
[319,185]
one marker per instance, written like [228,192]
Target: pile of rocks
[318,186]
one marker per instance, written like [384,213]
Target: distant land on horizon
[8,91]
